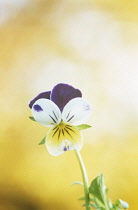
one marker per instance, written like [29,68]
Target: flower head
[62,109]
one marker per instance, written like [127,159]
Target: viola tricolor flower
[62,109]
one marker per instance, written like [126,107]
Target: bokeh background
[92,45]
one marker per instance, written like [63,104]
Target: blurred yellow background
[92,45]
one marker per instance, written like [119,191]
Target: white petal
[76,112]
[46,112]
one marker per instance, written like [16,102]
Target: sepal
[32,118]
[43,141]
[83,126]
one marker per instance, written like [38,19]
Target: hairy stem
[85,179]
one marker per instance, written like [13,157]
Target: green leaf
[43,141]
[106,190]
[121,203]
[32,118]
[81,198]
[110,204]
[124,204]
[83,126]
[91,197]
[77,183]
[97,188]
[93,205]
[84,204]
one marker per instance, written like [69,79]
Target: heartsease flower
[63,109]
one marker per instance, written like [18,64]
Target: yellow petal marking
[63,137]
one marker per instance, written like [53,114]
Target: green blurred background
[92,45]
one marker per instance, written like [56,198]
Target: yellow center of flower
[64,137]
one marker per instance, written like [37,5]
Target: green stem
[85,179]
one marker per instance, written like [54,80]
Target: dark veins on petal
[70,118]
[55,132]
[69,129]
[39,96]
[52,118]
[67,132]
[63,93]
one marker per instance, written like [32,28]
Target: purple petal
[41,95]
[63,93]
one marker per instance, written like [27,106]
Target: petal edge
[45,95]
